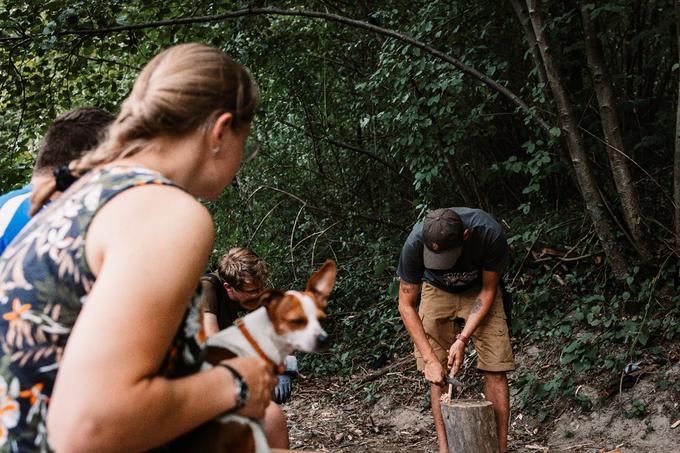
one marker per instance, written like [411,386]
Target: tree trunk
[470,426]
[625,187]
[676,160]
[523,16]
[579,158]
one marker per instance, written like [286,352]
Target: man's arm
[408,298]
[209,306]
[210,325]
[479,310]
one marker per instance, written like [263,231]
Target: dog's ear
[321,282]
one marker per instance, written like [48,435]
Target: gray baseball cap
[443,239]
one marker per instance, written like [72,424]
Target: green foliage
[587,327]
[360,133]
[638,409]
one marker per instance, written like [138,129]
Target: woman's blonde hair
[181,89]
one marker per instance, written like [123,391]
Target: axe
[452,381]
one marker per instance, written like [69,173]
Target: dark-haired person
[225,293]
[69,137]
[459,255]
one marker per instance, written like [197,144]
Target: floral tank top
[44,281]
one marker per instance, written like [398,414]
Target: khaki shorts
[438,310]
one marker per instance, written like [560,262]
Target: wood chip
[676,424]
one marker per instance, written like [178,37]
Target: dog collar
[244,330]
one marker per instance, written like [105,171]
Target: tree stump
[470,425]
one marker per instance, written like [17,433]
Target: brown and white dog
[285,322]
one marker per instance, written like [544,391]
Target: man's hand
[456,355]
[434,372]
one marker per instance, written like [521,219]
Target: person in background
[100,328]
[459,255]
[69,137]
[228,293]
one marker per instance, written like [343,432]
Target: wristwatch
[241,391]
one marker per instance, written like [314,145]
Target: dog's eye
[298,322]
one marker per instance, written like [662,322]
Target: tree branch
[335,213]
[324,16]
[346,146]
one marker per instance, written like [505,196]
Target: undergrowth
[585,326]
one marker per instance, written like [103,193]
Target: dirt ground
[387,411]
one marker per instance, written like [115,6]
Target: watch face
[242,391]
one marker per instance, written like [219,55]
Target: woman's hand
[259,377]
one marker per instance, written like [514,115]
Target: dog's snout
[322,341]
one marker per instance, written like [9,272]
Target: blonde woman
[98,336]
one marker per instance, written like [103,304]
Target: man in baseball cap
[459,256]
[443,233]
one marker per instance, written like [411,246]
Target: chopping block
[470,425]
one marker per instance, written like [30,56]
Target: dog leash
[242,327]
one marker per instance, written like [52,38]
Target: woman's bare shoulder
[149,217]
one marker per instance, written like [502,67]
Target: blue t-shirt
[485,250]
[14,209]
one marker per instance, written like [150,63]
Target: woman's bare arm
[148,247]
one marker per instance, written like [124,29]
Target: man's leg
[276,427]
[435,394]
[437,311]
[496,391]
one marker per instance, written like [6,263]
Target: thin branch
[521,265]
[588,236]
[318,235]
[566,260]
[486,80]
[340,145]
[252,236]
[106,60]
[292,236]
[376,374]
[331,213]
[12,66]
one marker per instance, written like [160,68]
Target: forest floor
[387,410]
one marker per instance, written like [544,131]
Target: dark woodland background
[558,117]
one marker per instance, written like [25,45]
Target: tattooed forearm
[407,289]
[477,305]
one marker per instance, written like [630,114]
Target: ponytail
[178,91]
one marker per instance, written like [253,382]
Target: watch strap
[240,388]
